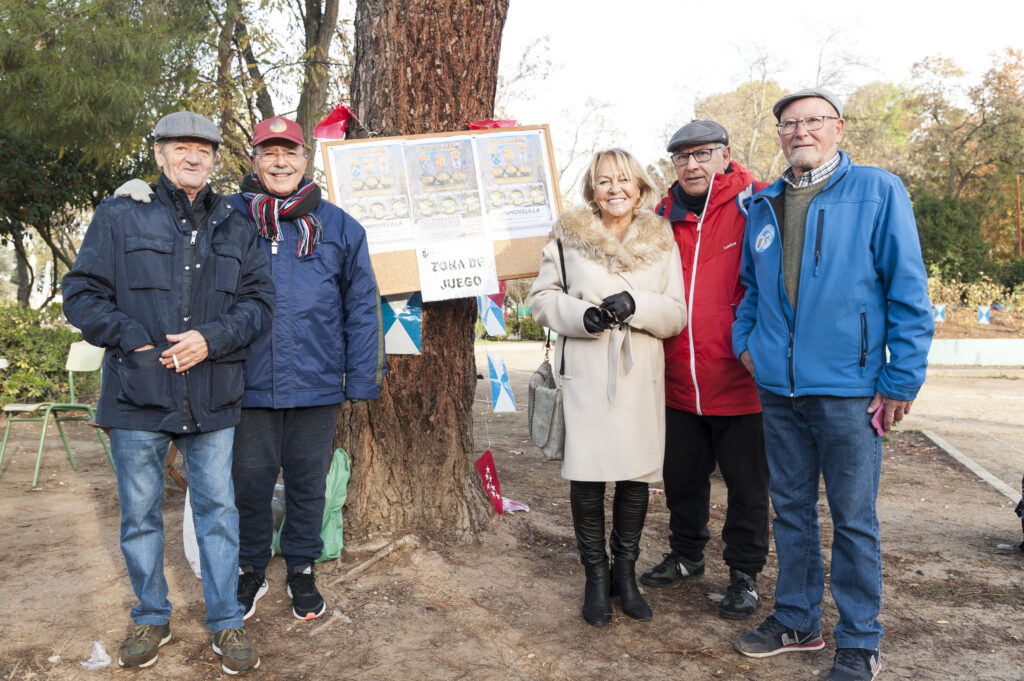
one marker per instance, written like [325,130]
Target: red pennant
[333,126]
[490,124]
[489,478]
[499,297]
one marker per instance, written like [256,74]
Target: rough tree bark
[421,66]
[319,20]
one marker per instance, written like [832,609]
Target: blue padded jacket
[326,343]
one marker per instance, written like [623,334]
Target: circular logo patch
[278,125]
[764,239]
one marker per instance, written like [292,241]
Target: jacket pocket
[149,262]
[226,385]
[144,382]
[227,266]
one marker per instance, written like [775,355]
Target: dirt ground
[505,606]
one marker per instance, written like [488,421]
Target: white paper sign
[460,269]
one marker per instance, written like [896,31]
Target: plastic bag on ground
[331,530]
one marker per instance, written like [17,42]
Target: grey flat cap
[819,92]
[698,132]
[187,124]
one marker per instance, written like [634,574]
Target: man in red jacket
[712,412]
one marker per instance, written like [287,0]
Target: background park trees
[83,81]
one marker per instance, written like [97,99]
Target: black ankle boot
[587,501]
[624,586]
[628,514]
[597,605]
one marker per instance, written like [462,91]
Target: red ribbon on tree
[332,127]
[490,123]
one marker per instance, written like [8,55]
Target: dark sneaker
[672,570]
[774,637]
[251,587]
[140,650]
[237,653]
[855,664]
[741,597]
[307,604]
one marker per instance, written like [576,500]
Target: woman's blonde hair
[628,166]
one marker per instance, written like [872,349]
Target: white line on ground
[975,468]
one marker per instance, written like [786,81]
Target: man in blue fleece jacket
[835,328]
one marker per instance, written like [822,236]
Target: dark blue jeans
[299,443]
[807,438]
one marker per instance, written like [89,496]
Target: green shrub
[35,344]
[950,238]
[1011,275]
[530,329]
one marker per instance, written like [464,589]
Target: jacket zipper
[863,342]
[689,303]
[817,240]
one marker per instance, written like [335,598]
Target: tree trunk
[24,268]
[319,19]
[421,66]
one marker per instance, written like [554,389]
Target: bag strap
[565,289]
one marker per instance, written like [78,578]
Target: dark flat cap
[698,132]
[819,92]
[187,124]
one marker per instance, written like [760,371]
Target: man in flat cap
[712,413]
[175,290]
[326,347]
[835,329]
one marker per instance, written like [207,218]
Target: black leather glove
[595,320]
[621,305]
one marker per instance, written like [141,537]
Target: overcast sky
[650,59]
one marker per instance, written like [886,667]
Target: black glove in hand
[594,321]
[621,305]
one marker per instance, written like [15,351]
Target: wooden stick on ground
[407,540]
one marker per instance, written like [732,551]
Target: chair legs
[103,441]
[3,447]
[39,456]
[45,420]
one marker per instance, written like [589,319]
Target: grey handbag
[544,415]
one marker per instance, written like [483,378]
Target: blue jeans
[140,457]
[807,438]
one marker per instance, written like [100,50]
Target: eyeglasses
[701,156]
[290,156]
[787,128]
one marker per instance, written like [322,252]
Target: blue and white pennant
[501,390]
[403,323]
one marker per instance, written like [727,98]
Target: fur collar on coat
[647,239]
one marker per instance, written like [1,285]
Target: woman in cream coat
[625,293]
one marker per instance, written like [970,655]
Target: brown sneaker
[237,653]
[140,650]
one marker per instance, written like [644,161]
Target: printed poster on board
[370,184]
[517,197]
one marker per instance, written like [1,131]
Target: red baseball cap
[276,128]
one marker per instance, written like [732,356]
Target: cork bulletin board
[499,184]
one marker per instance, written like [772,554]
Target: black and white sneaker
[774,637]
[741,597]
[307,603]
[251,587]
[855,664]
[672,570]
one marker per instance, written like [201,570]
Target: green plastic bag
[334,498]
